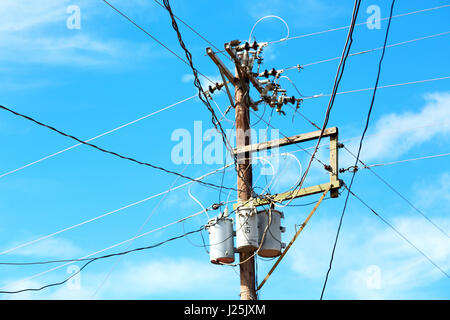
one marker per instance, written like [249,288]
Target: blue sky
[107,73]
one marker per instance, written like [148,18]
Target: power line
[370,50]
[359,149]
[398,232]
[97,136]
[125,241]
[362,23]
[89,261]
[193,30]
[365,166]
[113,246]
[398,193]
[112,152]
[380,87]
[201,94]
[407,160]
[337,80]
[107,213]
[145,31]
[153,37]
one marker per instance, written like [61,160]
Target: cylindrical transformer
[221,240]
[246,230]
[271,245]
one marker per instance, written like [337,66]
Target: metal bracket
[333,185]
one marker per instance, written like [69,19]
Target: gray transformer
[246,229]
[271,245]
[221,240]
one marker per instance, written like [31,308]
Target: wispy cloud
[150,280]
[375,251]
[49,248]
[395,134]
[36,32]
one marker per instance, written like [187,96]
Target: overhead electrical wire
[97,136]
[89,261]
[398,193]
[153,211]
[201,93]
[359,149]
[123,242]
[380,87]
[337,80]
[192,29]
[106,214]
[362,23]
[109,247]
[406,160]
[398,232]
[370,50]
[365,166]
[150,35]
[112,152]
[81,142]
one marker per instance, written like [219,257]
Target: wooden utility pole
[243,56]
[244,179]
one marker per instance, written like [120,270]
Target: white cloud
[436,193]
[51,247]
[35,32]
[30,14]
[392,137]
[401,267]
[150,279]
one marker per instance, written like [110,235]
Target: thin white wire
[359,24]
[96,137]
[108,213]
[407,160]
[371,50]
[267,17]
[380,87]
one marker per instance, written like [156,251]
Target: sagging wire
[89,261]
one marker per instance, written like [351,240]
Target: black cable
[201,93]
[89,261]
[150,35]
[359,150]
[193,30]
[338,77]
[398,232]
[399,194]
[112,152]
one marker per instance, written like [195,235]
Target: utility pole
[248,233]
[244,179]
